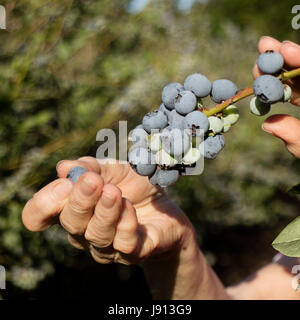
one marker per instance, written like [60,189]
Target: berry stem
[289,74]
[220,107]
[246,93]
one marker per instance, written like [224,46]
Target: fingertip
[111,198]
[284,127]
[291,53]
[41,211]
[290,43]
[59,163]
[92,162]
[275,118]
[263,39]
[273,123]
[63,167]
[92,178]
[26,217]
[112,191]
[90,184]
[268,43]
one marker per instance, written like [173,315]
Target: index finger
[88,163]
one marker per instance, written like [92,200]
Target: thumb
[286,128]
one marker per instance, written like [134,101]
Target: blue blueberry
[198,84]
[212,145]
[268,89]
[139,136]
[153,178]
[75,173]
[169,93]
[166,178]
[197,120]
[175,141]
[270,62]
[164,109]
[176,120]
[185,102]
[154,120]
[142,161]
[222,90]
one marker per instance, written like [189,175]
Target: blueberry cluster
[268,89]
[178,134]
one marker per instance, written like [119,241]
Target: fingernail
[62,190]
[87,186]
[59,163]
[264,129]
[107,200]
[291,43]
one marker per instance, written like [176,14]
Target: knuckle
[71,228]
[129,228]
[126,262]
[106,218]
[76,242]
[79,206]
[100,257]
[127,248]
[98,240]
[125,259]
[101,260]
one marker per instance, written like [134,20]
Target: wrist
[182,272]
[184,247]
[177,230]
[176,272]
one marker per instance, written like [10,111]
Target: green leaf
[288,241]
[295,189]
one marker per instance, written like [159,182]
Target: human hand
[115,213]
[291,54]
[283,126]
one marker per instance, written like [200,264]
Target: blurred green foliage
[266,17]
[70,68]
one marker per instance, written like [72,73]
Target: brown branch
[220,107]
